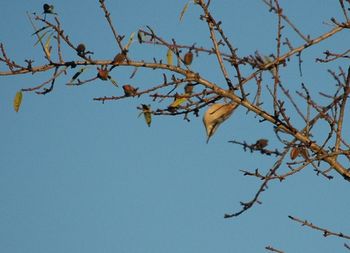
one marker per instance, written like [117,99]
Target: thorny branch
[299,145]
[326,232]
[108,17]
[275,8]
[262,188]
[212,24]
[281,124]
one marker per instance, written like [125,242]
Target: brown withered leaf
[294,153]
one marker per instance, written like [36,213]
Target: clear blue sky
[81,176]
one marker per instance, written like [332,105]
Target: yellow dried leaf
[17,101]
[131,39]
[146,109]
[184,10]
[169,56]
[177,102]
[40,37]
[47,46]
[113,81]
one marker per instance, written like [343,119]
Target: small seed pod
[304,153]
[129,90]
[103,74]
[119,58]
[294,153]
[188,58]
[81,49]
[261,143]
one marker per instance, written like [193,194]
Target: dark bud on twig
[129,90]
[139,37]
[48,9]
[81,49]
[71,64]
[29,64]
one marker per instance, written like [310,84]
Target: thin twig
[326,232]
[109,20]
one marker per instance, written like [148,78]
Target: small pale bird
[215,115]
